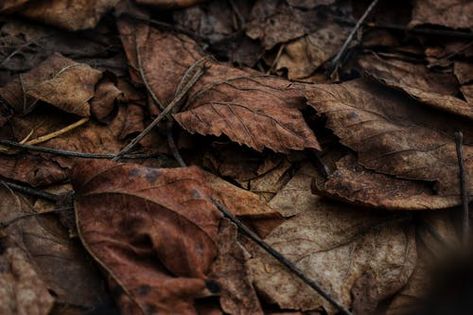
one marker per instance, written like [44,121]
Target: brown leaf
[106,92]
[58,260]
[156,234]
[304,55]
[392,134]
[355,184]
[449,13]
[72,16]
[250,108]
[309,4]
[22,292]
[358,256]
[463,71]
[59,81]
[434,89]
[467,91]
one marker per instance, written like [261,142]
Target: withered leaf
[355,184]
[58,260]
[435,89]
[250,108]
[22,292]
[357,256]
[392,134]
[170,4]
[449,13]
[73,16]
[463,71]
[59,81]
[153,230]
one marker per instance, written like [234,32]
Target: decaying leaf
[449,13]
[59,81]
[22,292]
[392,134]
[250,108]
[168,4]
[435,89]
[156,234]
[358,256]
[72,16]
[354,184]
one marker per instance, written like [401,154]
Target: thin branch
[463,188]
[74,154]
[335,63]
[59,132]
[283,260]
[177,99]
[31,191]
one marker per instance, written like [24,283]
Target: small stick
[59,132]
[177,99]
[463,188]
[336,60]
[31,191]
[283,260]
[67,153]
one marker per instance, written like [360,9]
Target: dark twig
[31,191]
[283,260]
[173,146]
[180,93]
[335,63]
[75,154]
[463,188]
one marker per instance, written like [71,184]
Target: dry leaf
[156,234]
[76,15]
[103,103]
[354,184]
[449,13]
[357,256]
[59,81]
[463,71]
[391,134]
[170,4]
[431,88]
[250,108]
[22,292]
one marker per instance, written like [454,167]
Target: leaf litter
[235,157]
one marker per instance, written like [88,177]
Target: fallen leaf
[74,16]
[391,134]
[22,292]
[354,184]
[449,13]
[304,55]
[309,4]
[103,102]
[250,108]
[156,234]
[59,81]
[467,91]
[434,89]
[463,71]
[170,4]
[358,256]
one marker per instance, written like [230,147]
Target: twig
[59,132]
[334,65]
[283,260]
[31,191]
[75,154]
[463,188]
[173,147]
[180,93]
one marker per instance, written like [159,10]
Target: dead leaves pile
[336,176]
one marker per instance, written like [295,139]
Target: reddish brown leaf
[449,13]
[392,134]
[250,108]
[355,184]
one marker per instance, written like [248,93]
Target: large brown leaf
[358,256]
[75,15]
[155,232]
[355,184]
[250,108]
[449,13]
[392,134]
[435,89]
[59,81]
